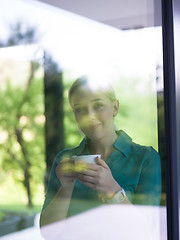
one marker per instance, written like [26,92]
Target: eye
[79,110]
[98,106]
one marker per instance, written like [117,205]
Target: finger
[85,178]
[88,184]
[93,167]
[64,160]
[67,160]
[66,168]
[89,172]
[80,167]
[101,162]
[66,174]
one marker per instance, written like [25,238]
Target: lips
[94,126]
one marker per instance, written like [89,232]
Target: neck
[103,146]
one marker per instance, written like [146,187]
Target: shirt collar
[123,143]
[81,146]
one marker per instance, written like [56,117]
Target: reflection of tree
[54,128]
[21,118]
[71,131]
[20,34]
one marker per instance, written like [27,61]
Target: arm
[61,183]
[58,207]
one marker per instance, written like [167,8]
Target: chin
[95,136]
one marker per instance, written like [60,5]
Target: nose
[88,118]
[91,114]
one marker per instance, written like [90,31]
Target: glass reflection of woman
[126,172]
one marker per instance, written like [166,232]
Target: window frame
[170,12]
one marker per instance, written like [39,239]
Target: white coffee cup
[86,158]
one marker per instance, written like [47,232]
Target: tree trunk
[54,126]
[27,185]
[26,165]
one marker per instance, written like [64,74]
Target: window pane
[99,43]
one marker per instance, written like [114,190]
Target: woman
[125,173]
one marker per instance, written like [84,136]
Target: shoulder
[147,156]
[144,150]
[129,147]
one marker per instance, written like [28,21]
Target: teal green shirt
[135,167]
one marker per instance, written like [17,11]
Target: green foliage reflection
[22,131]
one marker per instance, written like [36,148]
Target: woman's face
[94,112]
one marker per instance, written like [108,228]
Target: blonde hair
[103,87]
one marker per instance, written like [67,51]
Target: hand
[65,172]
[99,178]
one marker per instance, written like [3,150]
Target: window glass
[99,72]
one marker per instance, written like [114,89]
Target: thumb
[74,156]
[101,162]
